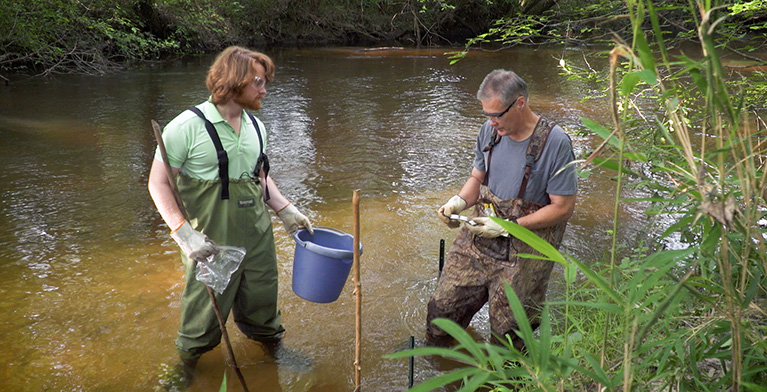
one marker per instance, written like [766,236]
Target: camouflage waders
[477,268]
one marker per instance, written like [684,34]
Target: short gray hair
[507,85]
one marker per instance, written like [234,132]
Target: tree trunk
[416,27]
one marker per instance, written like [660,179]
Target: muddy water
[90,281]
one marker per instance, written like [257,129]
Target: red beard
[252,104]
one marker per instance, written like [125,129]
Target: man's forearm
[162,194]
[470,190]
[560,210]
[276,200]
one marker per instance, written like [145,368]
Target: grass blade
[532,239]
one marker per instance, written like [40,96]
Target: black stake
[411,364]
[441,255]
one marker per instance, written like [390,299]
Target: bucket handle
[324,250]
[331,229]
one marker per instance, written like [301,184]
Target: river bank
[98,37]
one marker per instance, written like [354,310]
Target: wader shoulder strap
[263,160]
[495,139]
[535,149]
[223,159]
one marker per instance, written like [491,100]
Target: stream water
[90,280]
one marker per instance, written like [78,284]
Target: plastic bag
[218,270]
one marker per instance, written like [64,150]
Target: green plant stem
[568,298]
[628,353]
[614,55]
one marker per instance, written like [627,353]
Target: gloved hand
[293,219]
[487,228]
[455,205]
[194,244]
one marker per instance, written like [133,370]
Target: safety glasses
[498,115]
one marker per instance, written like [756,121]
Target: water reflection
[91,281]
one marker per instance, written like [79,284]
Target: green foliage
[96,36]
[598,22]
[548,252]
[501,367]
[572,22]
[752,88]
[523,29]
[714,194]
[62,35]
[750,9]
[199,25]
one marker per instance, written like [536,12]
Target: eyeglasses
[498,115]
[259,82]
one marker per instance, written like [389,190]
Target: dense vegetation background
[96,36]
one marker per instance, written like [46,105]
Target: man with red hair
[217,152]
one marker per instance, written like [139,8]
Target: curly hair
[233,69]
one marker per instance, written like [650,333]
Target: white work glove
[293,219]
[487,228]
[455,205]
[194,244]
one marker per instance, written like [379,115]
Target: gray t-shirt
[507,167]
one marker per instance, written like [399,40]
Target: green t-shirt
[190,148]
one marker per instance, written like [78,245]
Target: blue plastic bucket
[321,263]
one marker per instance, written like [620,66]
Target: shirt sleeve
[564,178]
[175,138]
[483,139]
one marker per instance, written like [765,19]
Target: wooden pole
[179,201]
[357,291]
[225,335]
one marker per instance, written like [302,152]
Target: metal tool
[463,218]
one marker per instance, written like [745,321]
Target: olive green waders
[476,268]
[242,220]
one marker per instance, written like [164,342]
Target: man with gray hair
[533,184]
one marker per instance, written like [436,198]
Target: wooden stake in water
[357,290]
